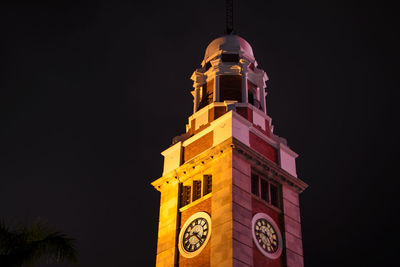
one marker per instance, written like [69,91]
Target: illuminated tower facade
[229,189]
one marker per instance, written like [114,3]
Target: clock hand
[199,237]
[196,234]
[266,235]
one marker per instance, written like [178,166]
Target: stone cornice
[193,166]
[273,170]
[197,164]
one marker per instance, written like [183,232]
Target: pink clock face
[266,236]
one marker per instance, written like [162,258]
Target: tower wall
[226,151]
[252,212]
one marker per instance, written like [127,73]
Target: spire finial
[229,16]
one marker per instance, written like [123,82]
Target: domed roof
[229,44]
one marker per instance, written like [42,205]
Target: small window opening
[206,94]
[230,87]
[185,195]
[254,185]
[250,97]
[274,195]
[264,190]
[207,181]
[230,58]
[208,65]
[196,190]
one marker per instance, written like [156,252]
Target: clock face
[194,234]
[266,235]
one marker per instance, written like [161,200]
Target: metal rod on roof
[229,16]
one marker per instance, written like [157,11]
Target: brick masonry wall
[213,114]
[259,259]
[247,113]
[262,147]
[203,259]
[198,146]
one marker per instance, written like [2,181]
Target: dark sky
[92,92]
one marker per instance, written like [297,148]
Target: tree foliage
[24,245]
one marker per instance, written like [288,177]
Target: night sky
[91,92]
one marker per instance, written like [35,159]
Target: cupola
[229,72]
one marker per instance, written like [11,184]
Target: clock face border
[268,218]
[182,250]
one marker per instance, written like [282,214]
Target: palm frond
[27,246]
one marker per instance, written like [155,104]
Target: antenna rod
[229,16]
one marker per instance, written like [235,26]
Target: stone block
[169,192]
[166,237]
[166,258]
[290,195]
[241,197]
[221,245]
[292,226]
[222,196]
[221,261]
[259,120]
[237,263]
[242,252]
[241,165]
[241,214]
[222,162]
[240,131]
[291,210]
[242,233]
[294,243]
[167,215]
[167,229]
[293,259]
[241,180]
[221,181]
[222,131]
[222,214]
[172,157]
[222,235]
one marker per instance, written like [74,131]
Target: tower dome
[229,44]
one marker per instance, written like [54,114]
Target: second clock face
[266,236]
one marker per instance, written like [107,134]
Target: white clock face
[194,234]
[266,235]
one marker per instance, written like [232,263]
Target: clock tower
[229,189]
